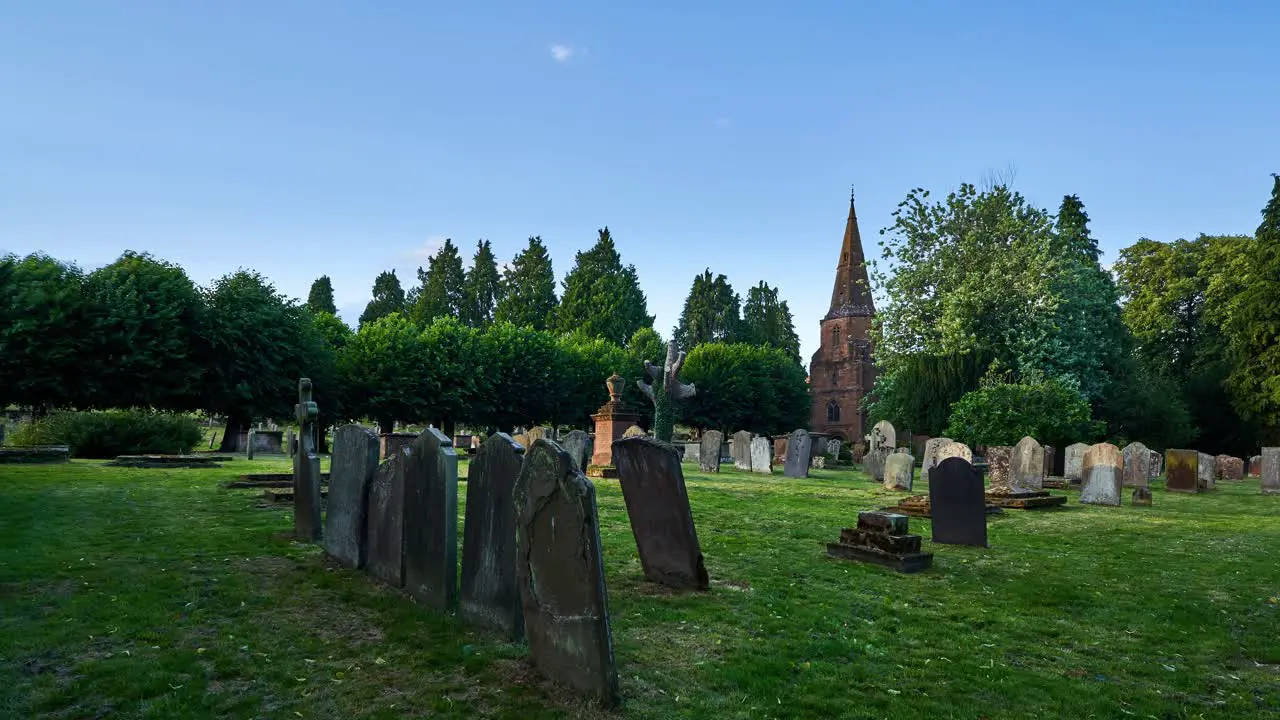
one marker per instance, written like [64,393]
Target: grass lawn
[157,594]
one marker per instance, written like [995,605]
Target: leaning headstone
[761,455]
[431,521]
[957,505]
[1182,470]
[384,543]
[1255,466]
[1101,479]
[798,445]
[741,449]
[709,451]
[1230,467]
[306,469]
[560,571]
[883,435]
[1141,496]
[1269,464]
[1207,472]
[931,454]
[1137,465]
[353,464]
[999,478]
[1026,465]
[489,594]
[899,472]
[1155,466]
[578,444]
[1073,462]
[658,505]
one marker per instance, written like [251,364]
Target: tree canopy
[320,299]
[528,291]
[602,297]
[388,297]
[481,288]
[442,287]
[766,320]
[712,312]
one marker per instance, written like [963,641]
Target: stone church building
[841,373]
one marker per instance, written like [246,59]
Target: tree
[451,357]
[745,387]
[151,320]
[919,394]
[519,368]
[711,312]
[1002,413]
[528,291]
[388,297]
[441,292]
[320,299]
[481,288]
[331,392]
[602,298]
[766,320]
[583,364]
[384,367]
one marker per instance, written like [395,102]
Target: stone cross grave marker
[560,571]
[353,465]
[1269,464]
[761,455]
[1026,465]
[957,504]
[658,506]
[431,521]
[384,544]
[741,449]
[899,472]
[1073,462]
[490,596]
[1182,470]
[798,451]
[578,444]
[1137,465]
[1101,475]
[709,451]
[306,469]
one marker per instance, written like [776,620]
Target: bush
[111,433]
[1002,414]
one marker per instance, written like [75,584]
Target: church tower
[841,373]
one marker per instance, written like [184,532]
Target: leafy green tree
[151,350]
[452,354]
[919,394]
[766,320]
[320,299]
[330,389]
[583,364]
[745,387]
[388,297]
[602,298]
[1002,413]
[712,313]
[518,368]
[528,292]
[442,287]
[481,288]
[384,368]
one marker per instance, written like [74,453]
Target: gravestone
[250,444]
[882,538]
[883,435]
[1049,452]
[560,571]
[709,451]
[1073,462]
[1182,470]
[541,432]
[1137,465]
[1207,472]
[578,444]
[833,448]
[1100,475]
[952,448]
[780,449]
[931,454]
[899,472]
[818,462]
[1230,467]
[957,504]
[761,455]
[1026,465]
[692,451]
[999,477]
[353,465]
[384,544]
[658,505]
[798,445]
[1141,497]
[306,469]
[873,463]
[431,521]
[1255,466]
[1155,466]
[633,431]
[741,449]
[489,595]
[393,442]
[292,445]
[1269,470]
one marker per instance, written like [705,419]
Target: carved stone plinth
[612,421]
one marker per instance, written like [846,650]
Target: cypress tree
[527,296]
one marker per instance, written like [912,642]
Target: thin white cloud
[561,53]
[429,248]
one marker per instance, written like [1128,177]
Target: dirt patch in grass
[522,673]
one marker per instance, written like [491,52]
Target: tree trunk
[231,433]
[448,426]
[386,427]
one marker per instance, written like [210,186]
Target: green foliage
[106,434]
[602,298]
[1003,413]
[583,363]
[151,350]
[745,387]
[711,313]
[383,370]
[449,371]
[328,382]
[528,293]
[442,287]
[766,320]
[481,288]
[518,367]
[320,299]
[388,297]
[921,389]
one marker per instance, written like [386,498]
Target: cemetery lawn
[131,593]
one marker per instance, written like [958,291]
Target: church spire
[851,295]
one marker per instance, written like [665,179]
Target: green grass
[157,594]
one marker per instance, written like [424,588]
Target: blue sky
[303,138]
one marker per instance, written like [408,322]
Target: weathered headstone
[818,462]
[883,435]
[1155,466]
[692,451]
[384,544]
[431,521]
[1026,465]
[1207,472]
[1101,475]
[873,463]
[560,570]
[761,455]
[833,447]
[1137,465]
[658,505]
[957,503]
[633,431]
[930,458]
[1049,452]
[741,449]
[1230,467]
[578,444]
[1255,466]
[899,472]
[1073,462]
[1182,470]
[353,465]
[489,594]
[952,448]
[292,445]
[306,469]
[798,445]
[541,432]
[250,444]
[1141,496]
[1269,464]
[999,477]
[709,451]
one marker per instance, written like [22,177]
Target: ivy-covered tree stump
[666,390]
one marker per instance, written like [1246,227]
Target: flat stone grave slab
[882,539]
[1056,483]
[658,506]
[1027,500]
[282,495]
[918,506]
[266,480]
[164,461]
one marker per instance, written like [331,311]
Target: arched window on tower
[833,411]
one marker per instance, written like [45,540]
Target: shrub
[114,432]
[1002,414]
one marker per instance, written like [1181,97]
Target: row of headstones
[754,453]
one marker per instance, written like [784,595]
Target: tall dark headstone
[1181,470]
[384,547]
[742,450]
[431,521]
[490,596]
[353,465]
[709,451]
[560,569]
[957,504]
[306,469]
[799,444]
[658,505]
